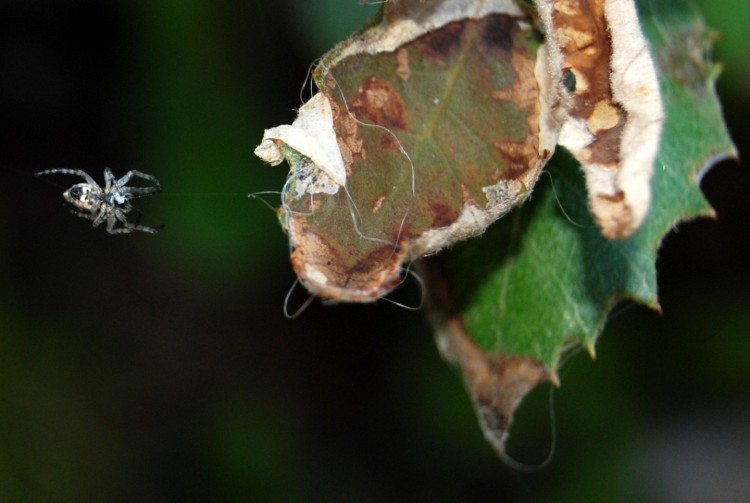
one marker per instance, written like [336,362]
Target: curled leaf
[442,123]
[610,93]
[544,279]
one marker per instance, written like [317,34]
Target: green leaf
[436,119]
[439,134]
[544,278]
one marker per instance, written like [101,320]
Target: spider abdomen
[82,197]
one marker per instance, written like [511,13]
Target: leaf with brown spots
[613,107]
[440,136]
[437,119]
[544,279]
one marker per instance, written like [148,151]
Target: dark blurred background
[154,368]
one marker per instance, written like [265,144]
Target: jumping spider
[111,203]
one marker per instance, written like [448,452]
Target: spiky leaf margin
[508,305]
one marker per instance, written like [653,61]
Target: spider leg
[66,171]
[128,228]
[100,214]
[139,174]
[120,215]
[125,229]
[122,230]
[125,207]
[150,230]
[115,216]
[143,191]
[101,217]
[109,179]
[144,228]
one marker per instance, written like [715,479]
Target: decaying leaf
[313,134]
[441,116]
[495,382]
[544,278]
[438,118]
[613,108]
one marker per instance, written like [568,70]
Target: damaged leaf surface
[614,114]
[439,138]
[544,278]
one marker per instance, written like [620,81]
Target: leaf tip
[591,348]
[496,383]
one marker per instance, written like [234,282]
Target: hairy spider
[111,203]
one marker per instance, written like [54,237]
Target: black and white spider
[111,203]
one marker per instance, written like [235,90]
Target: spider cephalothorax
[111,203]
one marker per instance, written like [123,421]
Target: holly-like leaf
[509,304]
[437,118]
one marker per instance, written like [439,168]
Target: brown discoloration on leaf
[604,116]
[441,45]
[610,103]
[612,213]
[430,159]
[346,154]
[520,156]
[496,383]
[442,215]
[326,272]
[314,204]
[465,196]
[350,143]
[499,33]
[388,142]
[378,103]
[402,64]
[525,91]
[582,32]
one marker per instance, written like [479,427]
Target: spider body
[109,204]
